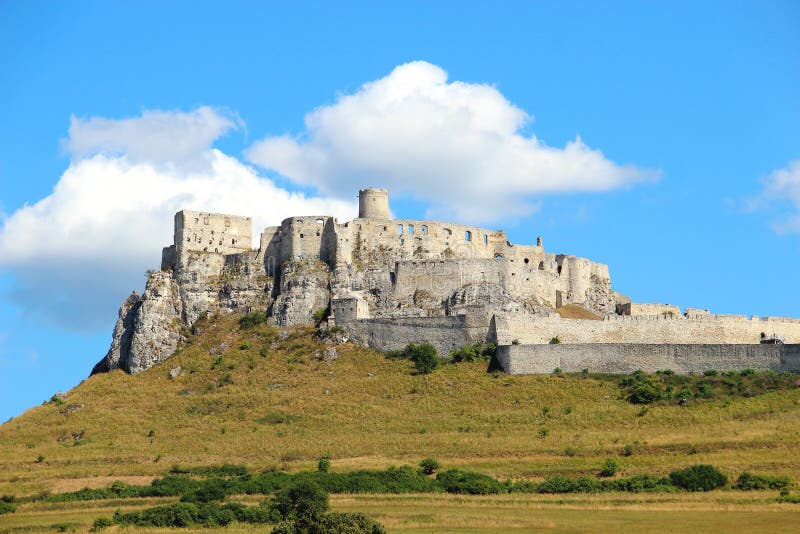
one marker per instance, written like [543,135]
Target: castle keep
[389,282]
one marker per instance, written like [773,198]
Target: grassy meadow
[266,398]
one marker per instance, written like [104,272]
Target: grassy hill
[266,398]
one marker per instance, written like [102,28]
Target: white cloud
[156,136]
[456,145]
[783,186]
[77,252]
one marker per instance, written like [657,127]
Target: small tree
[610,468]
[698,478]
[429,466]
[324,464]
[305,503]
[424,356]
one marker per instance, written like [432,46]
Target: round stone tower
[373,203]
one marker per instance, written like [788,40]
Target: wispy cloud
[781,194]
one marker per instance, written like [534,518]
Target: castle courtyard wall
[626,358]
[444,333]
[735,329]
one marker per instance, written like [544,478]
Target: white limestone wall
[627,358]
[212,232]
[737,329]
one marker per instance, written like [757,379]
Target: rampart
[628,357]
[734,329]
[212,232]
[444,333]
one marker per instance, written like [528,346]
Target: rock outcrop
[371,267]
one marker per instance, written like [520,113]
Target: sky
[660,138]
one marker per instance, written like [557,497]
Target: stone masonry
[391,281]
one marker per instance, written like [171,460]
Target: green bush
[7,508]
[457,481]
[213,489]
[348,523]
[303,502]
[627,450]
[555,340]
[429,466]
[698,478]
[324,464]
[101,522]
[473,353]
[253,319]
[748,481]
[424,357]
[609,469]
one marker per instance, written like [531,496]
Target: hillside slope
[291,406]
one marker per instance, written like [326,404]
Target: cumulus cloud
[782,187]
[156,136]
[77,252]
[457,145]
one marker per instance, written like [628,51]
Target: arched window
[541,266]
[410,229]
[485,239]
[468,235]
[399,228]
[498,256]
[423,230]
[527,261]
[320,221]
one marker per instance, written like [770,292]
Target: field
[269,399]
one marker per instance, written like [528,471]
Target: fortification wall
[627,358]
[444,333]
[212,232]
[737,329]
[638,308]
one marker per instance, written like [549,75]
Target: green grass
[289,408]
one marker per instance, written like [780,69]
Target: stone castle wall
[444,333]
[212,232]
[736,329]
[627,358]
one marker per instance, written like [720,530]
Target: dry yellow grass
[290,408]
[574,311]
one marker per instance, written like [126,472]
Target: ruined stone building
[389,282]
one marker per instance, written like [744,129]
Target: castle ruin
[389,282]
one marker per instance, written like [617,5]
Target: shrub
[429,466]
[515,341]
[645,390]
[748,481]
[555,340]
[557,371]
[710,372]
[698,478]
[212,489]
[305,501]
[349,523]
[264,352]
[457,481]
[40,459]
[324,464]
[253,319]
[609,469]
[7,508]
[101,522]
[627,450]
[424,357]
[570,452]
[245,345]
[473,353]
[320,315]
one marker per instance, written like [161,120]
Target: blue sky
[658,137]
